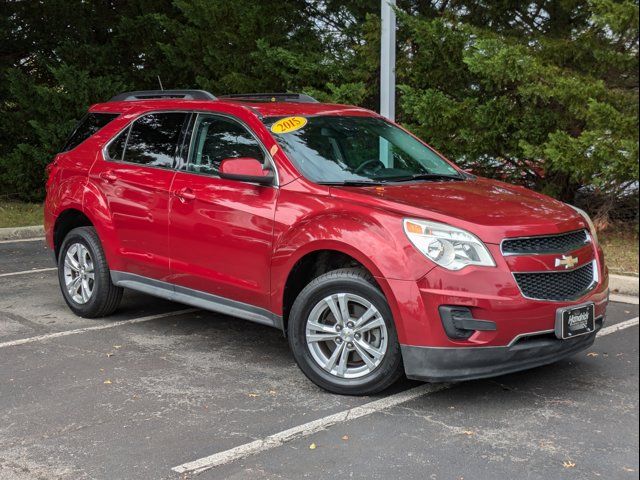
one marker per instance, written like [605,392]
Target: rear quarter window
[90,124]
[115,151]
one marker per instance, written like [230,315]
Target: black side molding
[196,298]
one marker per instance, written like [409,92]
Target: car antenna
[160,82]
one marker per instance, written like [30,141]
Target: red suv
[373,253]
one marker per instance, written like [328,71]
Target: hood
[490,209]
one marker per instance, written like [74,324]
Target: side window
[217,138]
[115,150]
[153,139]
[90,124]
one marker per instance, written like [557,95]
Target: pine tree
[544,93]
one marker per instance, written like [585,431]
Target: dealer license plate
[574,321]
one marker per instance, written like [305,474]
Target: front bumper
[444,364]
[489,293]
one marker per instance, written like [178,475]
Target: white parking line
[617,327]
[277,439]
[20,240]
[24,272]
[77,331]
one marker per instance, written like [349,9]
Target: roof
[262,109]
[279,109]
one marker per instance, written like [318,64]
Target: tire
[81,255]
[313,315]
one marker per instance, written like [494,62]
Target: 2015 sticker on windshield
[289,124]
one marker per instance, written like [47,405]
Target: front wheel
[84,275]
[342,334]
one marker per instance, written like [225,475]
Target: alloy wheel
[346,335]
[79,274]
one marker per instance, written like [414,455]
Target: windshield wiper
[426,176]
[387,180]
[354,183]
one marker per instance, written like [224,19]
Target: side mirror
[245,169]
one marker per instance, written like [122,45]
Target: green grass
[18,214]
[620,247]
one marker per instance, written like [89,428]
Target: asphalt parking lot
[148,392]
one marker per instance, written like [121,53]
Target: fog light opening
[459,324]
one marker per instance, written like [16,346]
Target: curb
[624,299]
[21,233]
[624,284]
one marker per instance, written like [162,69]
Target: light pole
[388,60]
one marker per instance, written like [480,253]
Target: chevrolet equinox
[374,254]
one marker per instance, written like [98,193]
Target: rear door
[135,176]
[221,230]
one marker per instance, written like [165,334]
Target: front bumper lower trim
[445,364]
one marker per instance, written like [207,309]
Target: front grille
[558,286]
[564,243]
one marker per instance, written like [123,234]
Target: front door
[221,231]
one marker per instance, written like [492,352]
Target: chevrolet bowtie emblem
[566,262]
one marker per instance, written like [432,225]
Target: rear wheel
[84,275]
[342,334]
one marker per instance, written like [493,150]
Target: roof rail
[271,97]
[162,94]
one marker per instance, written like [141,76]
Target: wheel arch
[66,221]
[372,239]
[87,207]
[317,259]
[96,207]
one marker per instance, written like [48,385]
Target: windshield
[339,149]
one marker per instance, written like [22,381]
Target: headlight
[449,247]
[587,218]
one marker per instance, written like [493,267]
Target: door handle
[185,195]
[109,176]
